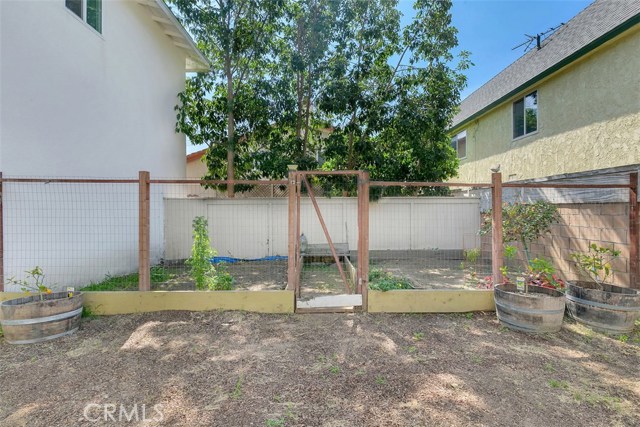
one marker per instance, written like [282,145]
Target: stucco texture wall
[588,118]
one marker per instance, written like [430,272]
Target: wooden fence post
[363,238]
[1,235]
[144,209]
[634,234]
[291,259]
[496,227]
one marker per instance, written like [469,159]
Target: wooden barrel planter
[612,309]
[538,311]
[28,320]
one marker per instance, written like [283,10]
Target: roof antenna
[537,38]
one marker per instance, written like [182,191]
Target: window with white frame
[90,11]
[525,115]
[459,143]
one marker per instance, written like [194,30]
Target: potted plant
[41,317]
[534,303]
[596,302]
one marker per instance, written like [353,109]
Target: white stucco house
[87,89]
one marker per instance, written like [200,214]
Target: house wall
[79,103]
[588,118]
[256,228]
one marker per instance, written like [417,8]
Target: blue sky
[489,29]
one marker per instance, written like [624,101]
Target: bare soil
[247,275]
[243,369]
[432,273]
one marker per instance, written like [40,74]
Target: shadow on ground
[240,369]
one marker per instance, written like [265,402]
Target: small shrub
[380,280]
[596,263]
[33,283]
[523,222]
[202,270]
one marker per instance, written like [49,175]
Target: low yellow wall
[107,303]
[430,301]
[400,301]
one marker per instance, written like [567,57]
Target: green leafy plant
[526,223]
[385,281]
[542,273]
[202,270]
[523,223]
[33,283]
[596,263]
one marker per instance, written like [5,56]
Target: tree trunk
[307,113]
[231,127]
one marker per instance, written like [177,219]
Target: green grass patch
[128,282]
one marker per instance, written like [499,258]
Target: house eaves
[162,15]
[599,23]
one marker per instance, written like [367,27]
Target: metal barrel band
[519,325]
[600,326]
[528,310]
[37,340]
[61,316]
[601,305]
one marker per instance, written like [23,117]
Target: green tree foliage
[292,78]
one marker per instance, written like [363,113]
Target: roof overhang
[162,15]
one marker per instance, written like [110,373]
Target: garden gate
[353,280]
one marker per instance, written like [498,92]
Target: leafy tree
[227,102]
[285,69]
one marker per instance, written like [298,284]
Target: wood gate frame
[296,178]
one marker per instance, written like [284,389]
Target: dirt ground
[430,273]
[244,369]
[248,276]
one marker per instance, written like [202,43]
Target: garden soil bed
[242,369]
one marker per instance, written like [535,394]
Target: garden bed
[247,275]
[237,369]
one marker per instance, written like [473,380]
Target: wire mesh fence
[86,233]
[426,241]
[78,233]
[587,220]
[248,234]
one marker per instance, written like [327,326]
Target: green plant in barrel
[596,263]
[526,223]
[202,270]
[33,283]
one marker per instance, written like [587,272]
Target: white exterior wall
[77,103]
[255,228]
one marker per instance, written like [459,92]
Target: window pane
[518,118]
[75,6]
[454,143]
[462,147]
[94,14]
[531,112]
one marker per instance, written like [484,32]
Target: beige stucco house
[571,105]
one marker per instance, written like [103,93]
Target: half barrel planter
[611,310]
[29,320]
[541,310]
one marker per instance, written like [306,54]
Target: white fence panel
[256,228]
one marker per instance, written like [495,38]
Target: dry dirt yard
[244,369]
